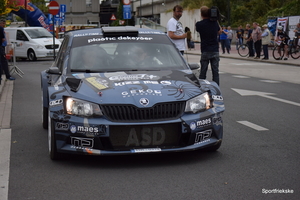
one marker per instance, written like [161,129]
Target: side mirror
[194,66]
[53,70]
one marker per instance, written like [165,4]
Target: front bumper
[98,136]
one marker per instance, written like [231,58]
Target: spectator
[266,39]
[249,41]
[209,31]
[239,36]
[229,36]
[224,40]
[256,36]
[3,61]
[297,35]
[175,29]
[188,37]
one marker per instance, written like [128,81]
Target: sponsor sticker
[82,142]
[132,77]
[61,126]
[203,136]
[98,83]
[193,126]
[217,97]
[88,130]
[204,122]
[141,92]
[145,150]
[56,102]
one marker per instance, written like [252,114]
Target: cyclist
[297,35]
[283,38]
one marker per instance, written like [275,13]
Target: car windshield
[38,33]
[126,55]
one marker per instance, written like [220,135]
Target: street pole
[25,13]
[141,14]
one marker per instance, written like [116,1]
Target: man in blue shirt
[209,31]
[3,61]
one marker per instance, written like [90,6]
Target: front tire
[45,117]
[31,55]
[295,52]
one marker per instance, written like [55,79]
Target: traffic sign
[126,12]
[113,17]
[63,8]
[126,2]
[53,7]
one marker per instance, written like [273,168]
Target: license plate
[144,136]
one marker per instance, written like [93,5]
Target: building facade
[81,11]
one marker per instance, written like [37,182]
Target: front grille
[161,111]
[50,46]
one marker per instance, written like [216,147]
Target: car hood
[46,41]
[131,87]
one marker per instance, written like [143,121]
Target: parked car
[32,42]
[123,90]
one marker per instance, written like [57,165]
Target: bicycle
[293,50]
[243,50]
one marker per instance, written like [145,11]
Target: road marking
[263,94]
[270,81]
[251,64]
[253,126]
[240,76]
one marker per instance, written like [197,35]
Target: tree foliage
[241,12]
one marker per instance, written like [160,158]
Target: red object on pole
[53,8]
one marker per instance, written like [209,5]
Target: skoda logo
[144,101]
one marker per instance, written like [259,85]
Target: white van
[32,42]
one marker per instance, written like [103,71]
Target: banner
[293,21]
[281,22]
[29,13]
[272,25]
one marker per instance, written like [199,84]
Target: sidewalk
[234,55]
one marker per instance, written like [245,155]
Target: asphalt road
[259,154]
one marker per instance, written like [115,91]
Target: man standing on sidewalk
[176,30]
[209,31]
[256,36]
[266,39]
[250,41]
[3,61]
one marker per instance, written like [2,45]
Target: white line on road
[240,76]
[253,126]
[263,94]
[270,81]
[251,64]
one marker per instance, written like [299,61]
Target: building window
[89,3]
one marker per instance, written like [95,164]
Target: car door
[22,42]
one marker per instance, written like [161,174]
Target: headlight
[81,108]
[199,103]
[39,46]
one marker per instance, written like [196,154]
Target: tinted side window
[21,36]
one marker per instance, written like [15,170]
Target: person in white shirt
[175,29]
[266,39]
